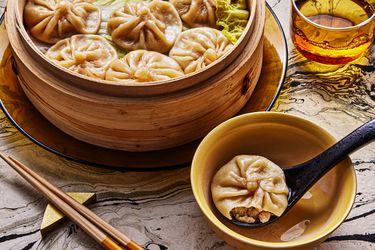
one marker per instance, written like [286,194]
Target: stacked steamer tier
[139,117]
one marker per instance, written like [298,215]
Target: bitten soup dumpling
[250,188]
[52,20]
[199,47]
[143,66]
[197,13]
[88,55]
[145,25]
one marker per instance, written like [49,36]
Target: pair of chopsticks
[102,232]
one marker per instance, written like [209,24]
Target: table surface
[157,209]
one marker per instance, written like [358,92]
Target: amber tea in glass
[332,31]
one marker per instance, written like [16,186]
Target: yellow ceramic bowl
[286,140]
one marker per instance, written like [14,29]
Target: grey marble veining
[157,209]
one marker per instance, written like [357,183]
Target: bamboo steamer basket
[131,88]
[141,117]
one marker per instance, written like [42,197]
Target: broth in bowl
[286,140]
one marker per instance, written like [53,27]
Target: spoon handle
[311,171]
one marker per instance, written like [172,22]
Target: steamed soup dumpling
[143,66]
[88,55]
[145,25]
[197,13]
[250,188]
[52,20]
[197,48]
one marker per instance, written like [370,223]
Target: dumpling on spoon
[143,66]
[53,20]
[87,55]
[197,48]
[145,25]
[250,188]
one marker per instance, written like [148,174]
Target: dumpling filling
[249,215]
[250,189]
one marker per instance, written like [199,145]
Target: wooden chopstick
[113,232]
[89,221]
[85,224]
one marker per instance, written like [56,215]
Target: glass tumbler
[332,31]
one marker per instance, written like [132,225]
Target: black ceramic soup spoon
[300,178]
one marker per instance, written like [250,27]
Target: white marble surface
[157,209]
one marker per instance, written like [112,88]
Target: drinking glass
[332,31]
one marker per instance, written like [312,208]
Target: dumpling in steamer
[145,25]
[197,13]
[197,48]
[143,66]
[250,188]
[88,55]
[52,20]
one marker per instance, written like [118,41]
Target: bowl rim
[187,79]
[259,243]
